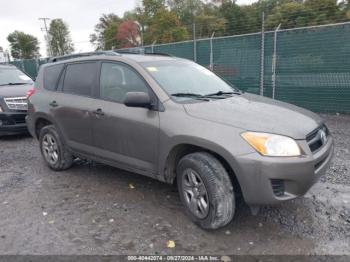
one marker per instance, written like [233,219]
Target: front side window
[185,77]
[117,79]
[13,76]
[80,78]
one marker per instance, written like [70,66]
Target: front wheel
[205,190]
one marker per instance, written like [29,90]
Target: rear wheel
[205,190]
[55,153]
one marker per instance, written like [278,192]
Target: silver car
[176,121]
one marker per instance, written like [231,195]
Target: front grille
[317,138]
[17,103]
[277,187]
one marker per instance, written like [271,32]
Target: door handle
[98,112]
[53,104]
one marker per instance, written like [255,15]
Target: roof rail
[67,57]
[140,51]
[159,53]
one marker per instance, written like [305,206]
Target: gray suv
[175,121]
[14,87]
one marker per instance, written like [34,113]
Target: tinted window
[80,78]
[51,76]
[117,80]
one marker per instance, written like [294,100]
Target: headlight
[272,145]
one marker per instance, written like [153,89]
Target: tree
[106,30]
[165,27]
[187,10]
[235,17]
[305,13]
[324,11]
[128,34]
[289,15]
[23,46]
[158,23]
[60,42]
[206,25]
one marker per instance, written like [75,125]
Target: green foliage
[23,46]
[187,10]
[106,30]
[310,12]
[289,15]
[171,20]
[60,42]
[165,27]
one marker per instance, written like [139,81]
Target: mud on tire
[218,185]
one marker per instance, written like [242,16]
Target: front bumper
[270,180]
[12,123]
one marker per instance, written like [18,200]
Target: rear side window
[51,76]
[80,79]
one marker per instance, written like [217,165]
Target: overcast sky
[80,15]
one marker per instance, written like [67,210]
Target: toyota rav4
[176,121]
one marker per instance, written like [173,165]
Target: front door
[125,135]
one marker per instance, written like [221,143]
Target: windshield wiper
[191,95]
[16,84]
[222,93]
[13,84]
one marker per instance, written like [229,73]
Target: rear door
[125,135]
[72,105]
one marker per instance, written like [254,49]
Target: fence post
[262,55]
[22,65]
[194,43]
[211,53]
[37,63]
[274,61]
[152,46]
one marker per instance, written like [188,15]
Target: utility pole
[44,29]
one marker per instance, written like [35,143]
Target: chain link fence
[30,66]
[308,67]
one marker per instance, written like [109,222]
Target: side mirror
[138,99]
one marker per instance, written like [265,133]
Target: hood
[257,113]
[15,90]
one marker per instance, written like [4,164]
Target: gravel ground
[95,209]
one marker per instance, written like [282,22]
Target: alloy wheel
[195,193]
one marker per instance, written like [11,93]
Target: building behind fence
[311,65]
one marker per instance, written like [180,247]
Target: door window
[116,80]
[51,76]
[80,78]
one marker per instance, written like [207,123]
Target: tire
[53,150]
[217,184]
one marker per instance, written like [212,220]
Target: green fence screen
[312,64]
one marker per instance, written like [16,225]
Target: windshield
[185,77]
[10,76]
